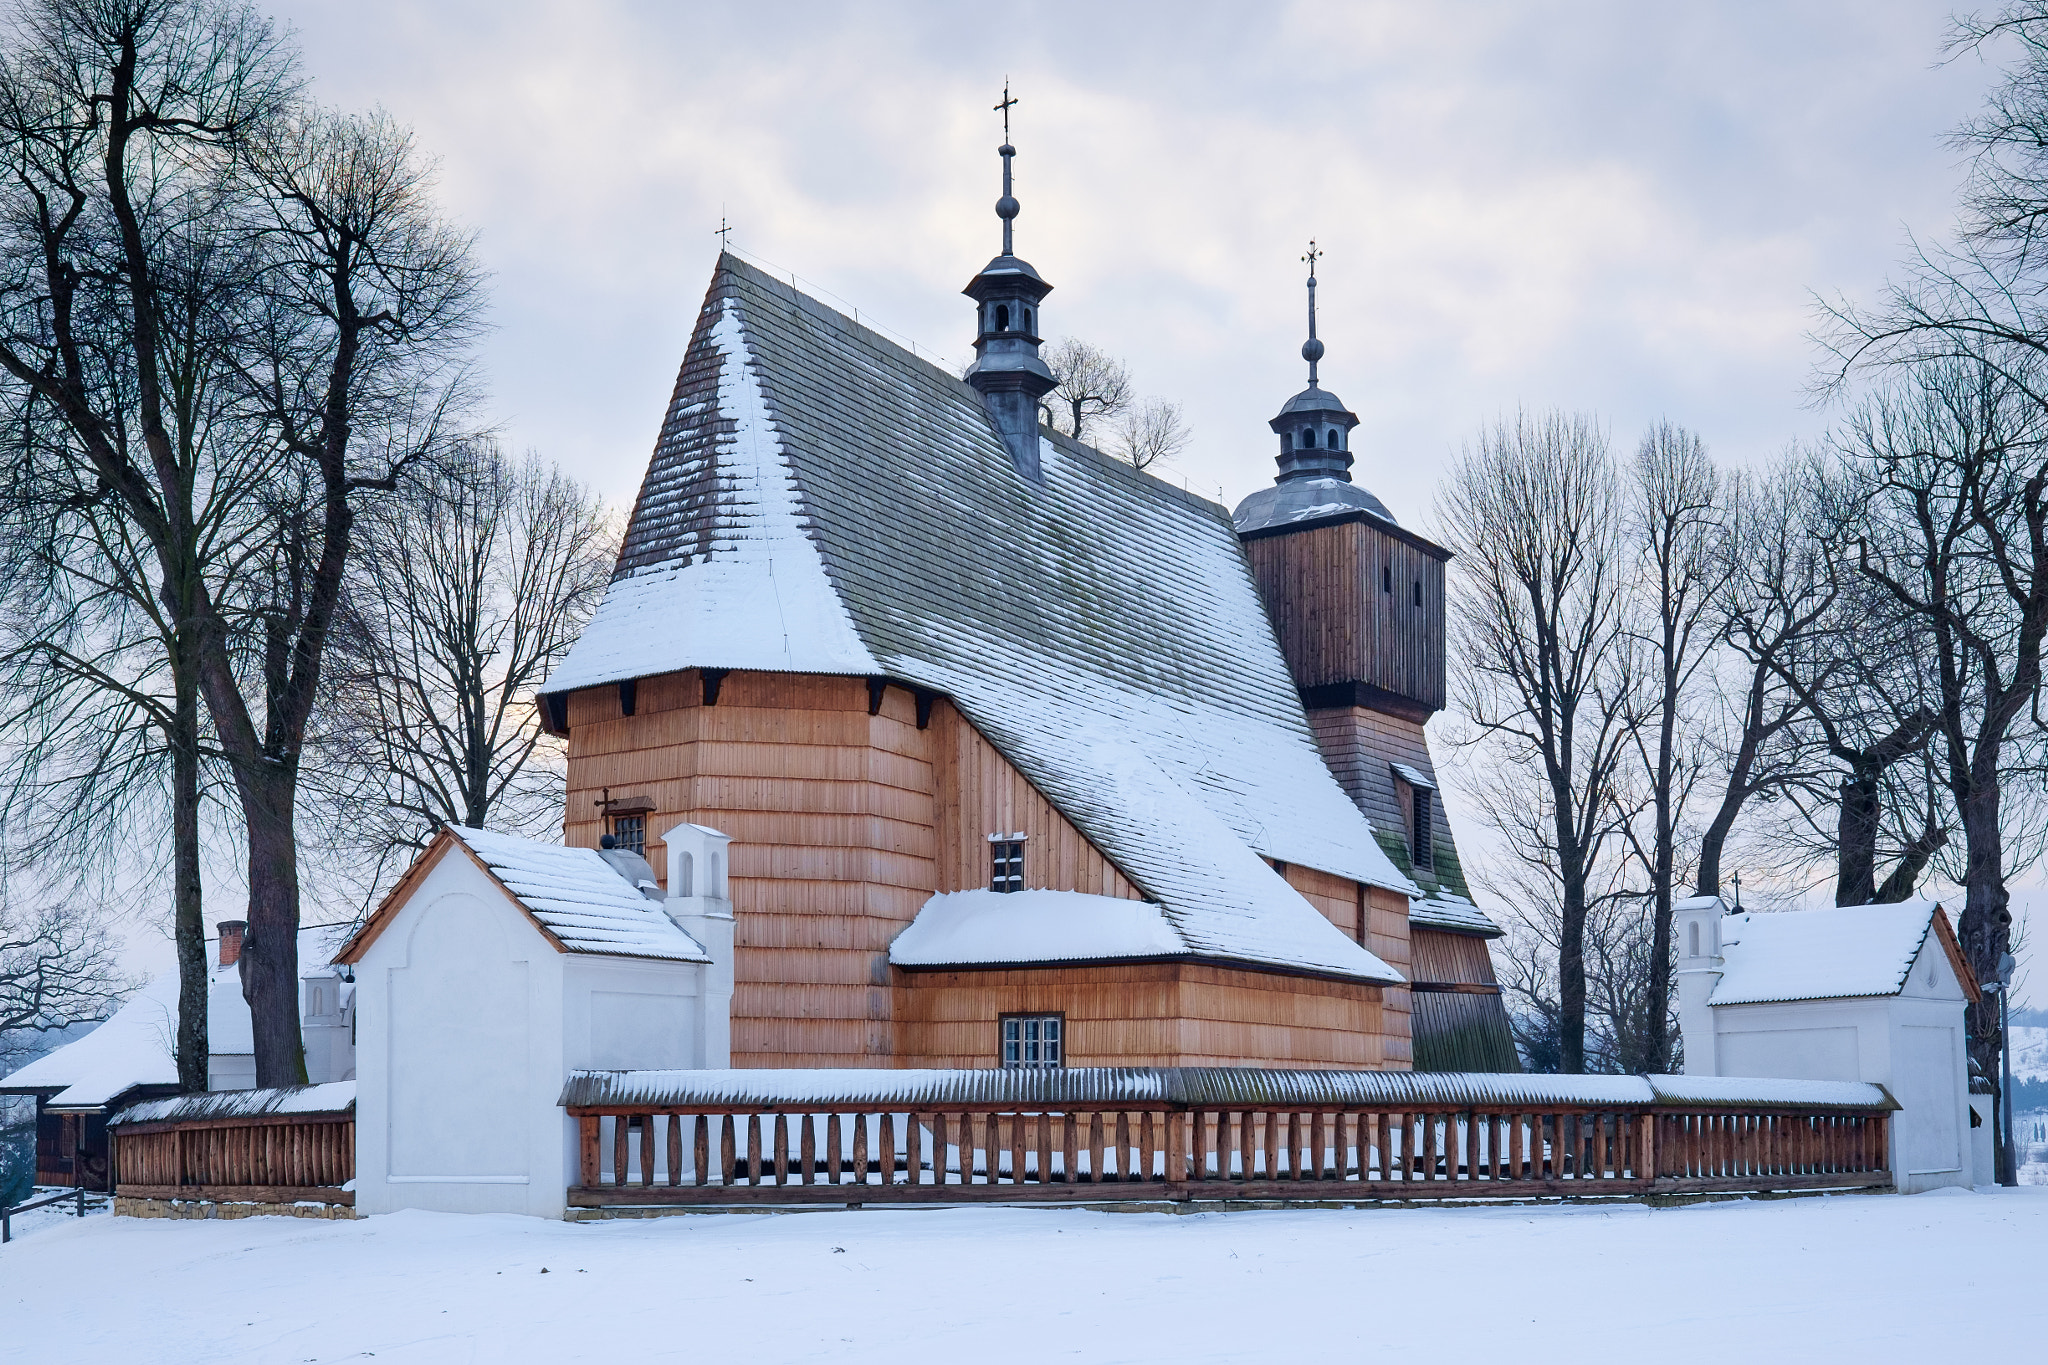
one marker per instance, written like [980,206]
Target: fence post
[1646,1151]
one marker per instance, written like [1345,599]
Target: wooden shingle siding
[985,795]
[1326,591]
[1450,957]
[844,824]
[1149,1014]
[834,849]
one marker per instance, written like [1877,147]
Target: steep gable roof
[820,500]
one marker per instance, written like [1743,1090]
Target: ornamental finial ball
[1312,350]
[1006,207]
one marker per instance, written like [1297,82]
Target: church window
[1286,441]
[1027,319]
[1425,835]
[1034,1042]
[1002,317]
[1692,940]
[1386,578]
[1006,863]
[631,832]
[1418,592]
[1308,438]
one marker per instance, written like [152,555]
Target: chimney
[231,931]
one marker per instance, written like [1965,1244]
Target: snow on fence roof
[580,898]
[1840,952]
[336,1097]
[1194,1086]
[820,500]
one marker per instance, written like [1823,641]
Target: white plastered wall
[468,1021]
[1910,1043]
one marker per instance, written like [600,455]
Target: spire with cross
[1007,368]
[1312,349]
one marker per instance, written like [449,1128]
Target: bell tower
[1357,601]
[1007,370]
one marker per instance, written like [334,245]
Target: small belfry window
[1006,862]
[1034,1042]
[1418,592]
[1386,578]
[1002,318]
[1425,842]
[631,832]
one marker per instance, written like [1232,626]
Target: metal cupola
[1007,370]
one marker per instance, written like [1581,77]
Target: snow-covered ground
[1871,1278]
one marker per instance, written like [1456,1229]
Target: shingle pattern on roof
[1104,624]
[583,903]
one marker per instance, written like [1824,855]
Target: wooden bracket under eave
[924,706]
[554,713]
[714,678]
[877,689]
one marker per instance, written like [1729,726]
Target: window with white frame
[1006,862]
[1034,1042]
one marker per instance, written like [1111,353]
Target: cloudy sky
[1616,207]
[1622,208]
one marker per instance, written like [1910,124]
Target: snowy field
[1869,1278]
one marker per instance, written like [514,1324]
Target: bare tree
[1676,525]
[1533,511]
[468,586]
[58,967]
[1775,588]
[124,120]
[1149,434]
[1092,383]
[349,326]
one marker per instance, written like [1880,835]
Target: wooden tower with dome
[1357,602]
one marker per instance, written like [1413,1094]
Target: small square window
[631,832]
[1034,1042]
[1006,864]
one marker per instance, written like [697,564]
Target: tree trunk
[271,979]
[1856,839]
[1985,929]
[1571,964]
[188,901]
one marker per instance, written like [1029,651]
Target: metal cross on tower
[1005,107]
[724,234]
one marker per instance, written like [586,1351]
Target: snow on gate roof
[1841,952]
[820,500]
[574,895]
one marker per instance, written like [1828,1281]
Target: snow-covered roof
[134,1047]
[990,928]
[1413,777]
[335,1097]
[820,500]
[1840,952]
[1455,914]
[577,897]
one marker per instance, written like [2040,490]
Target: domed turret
[1314,428]
[1007,369]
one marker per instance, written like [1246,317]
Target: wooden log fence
[711,1138]
[285,1146]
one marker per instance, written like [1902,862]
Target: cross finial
[1005,107]
[1738,892]
[724,234]
[1312,257]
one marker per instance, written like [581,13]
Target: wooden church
[1027,758]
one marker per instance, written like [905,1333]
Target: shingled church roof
[822,501]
